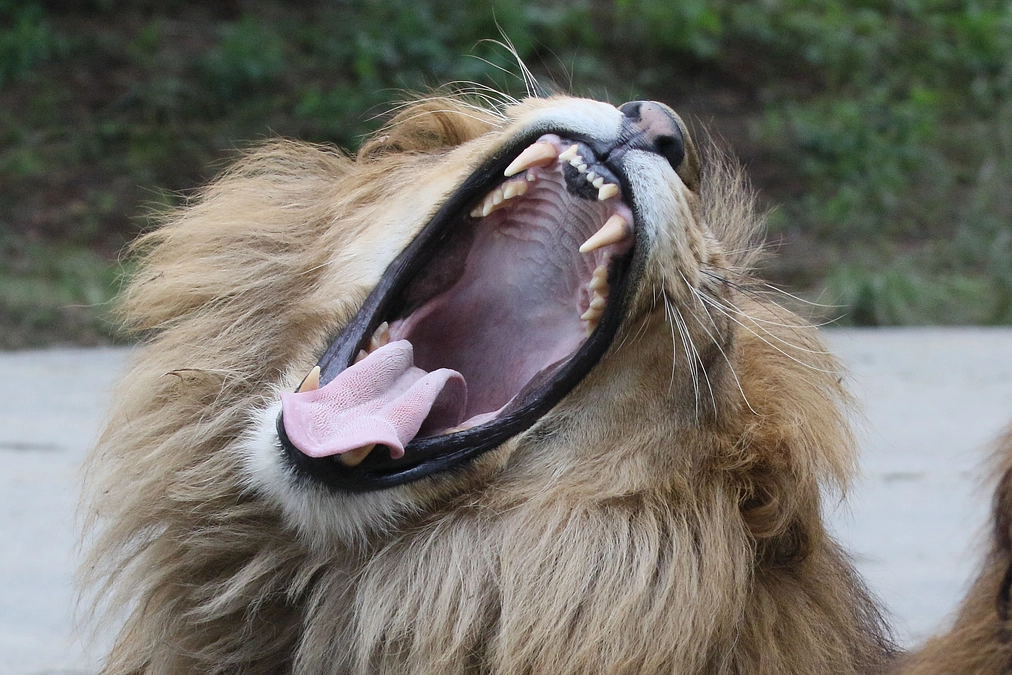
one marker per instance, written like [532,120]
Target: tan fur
[665,517]
[980,638]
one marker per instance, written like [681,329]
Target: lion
[499,394]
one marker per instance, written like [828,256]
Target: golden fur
[980,639]
[665,517]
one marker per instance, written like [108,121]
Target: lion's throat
[383,400]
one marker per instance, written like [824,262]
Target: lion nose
[655,129]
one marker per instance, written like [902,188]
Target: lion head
[497,395]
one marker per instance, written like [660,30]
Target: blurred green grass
[881,130]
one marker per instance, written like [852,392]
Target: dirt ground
[933,399]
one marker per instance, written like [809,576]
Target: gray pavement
[933,400]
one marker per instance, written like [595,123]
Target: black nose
[655,130]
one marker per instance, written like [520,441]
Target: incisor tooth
[312,381]
[569,154]
[611,232]
[581,167]
[591,176]
[606,191]
[536,154]
[355,457]
[598,182]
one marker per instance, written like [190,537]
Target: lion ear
[430,124]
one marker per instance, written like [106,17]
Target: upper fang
[536,154]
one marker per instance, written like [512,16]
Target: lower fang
[312,381]
[612,232]
[607,191]
[355,457]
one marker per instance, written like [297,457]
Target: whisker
[699,359]
[769,287]
[674,347]
[714,302]
[731,366]
[760,337]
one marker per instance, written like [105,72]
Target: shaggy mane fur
[710,559]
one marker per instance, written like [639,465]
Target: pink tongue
[383,399]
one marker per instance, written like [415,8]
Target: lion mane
[665,516]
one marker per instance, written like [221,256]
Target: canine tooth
[380,338]
[611,232]
[569,154]
[312,381]
[606,191]
[581,167]
[598,182]
[591,177]
[355,457]
[536,154]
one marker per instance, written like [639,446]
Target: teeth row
[540,154]
[613,231]
[497,197]
[604,190]
[380,338]
[598,299]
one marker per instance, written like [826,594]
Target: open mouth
[494,312]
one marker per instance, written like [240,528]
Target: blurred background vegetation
[880,131]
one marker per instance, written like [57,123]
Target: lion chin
[497,395]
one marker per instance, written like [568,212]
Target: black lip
[427,456]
